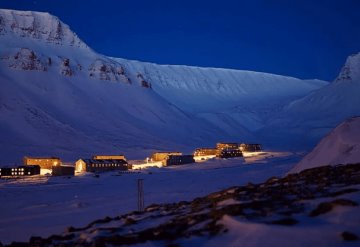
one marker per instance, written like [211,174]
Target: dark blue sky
[301,38]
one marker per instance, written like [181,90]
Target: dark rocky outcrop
[27,59]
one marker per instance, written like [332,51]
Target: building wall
[44,163]
[205,151]
[230,153]
[19,171]
[109,157]
[80,166]
[179,160]
[221,146]
[63,171]
[160,156]
[250,147]
[99,167]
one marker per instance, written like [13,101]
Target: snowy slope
[306,120]
[209,89]
[318,207]
[336,101]
[51,204]
[59,97]
[341,146]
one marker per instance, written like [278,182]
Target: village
[101,163]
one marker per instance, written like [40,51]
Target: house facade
[172,160]
[97,165]
[43,162]
[109,157]
[20,171]
[161,156]
[205,151]
[245,147]
[63,171]
[228,150]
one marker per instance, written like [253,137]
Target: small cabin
[205,151]
[161,156]
[63,171]
[246,147]
[20,171]
[172,160]
[43,162]
[97,165]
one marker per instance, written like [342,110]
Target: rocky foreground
[288,201]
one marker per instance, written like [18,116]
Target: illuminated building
[205,151]
[20,171]
[43,162]
[161,156]
[250,147]
[63,171]
[109,157]
[96,165]
[228,150]
[171,160]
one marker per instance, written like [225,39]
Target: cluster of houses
[101,163]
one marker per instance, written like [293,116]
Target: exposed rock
[36,25]
[348,236]
[65,68]
[351,70]
[108,71]
[285,222]
[143,82]
[27,59]
[325,207]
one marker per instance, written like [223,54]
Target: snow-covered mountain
[59,97]
[308,119]
[341,146]
[337,100]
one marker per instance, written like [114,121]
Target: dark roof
[25,166]
[108,161]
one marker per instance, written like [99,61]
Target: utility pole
[140,195]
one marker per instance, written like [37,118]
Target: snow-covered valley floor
[41,206]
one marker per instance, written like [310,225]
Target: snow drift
[341,146]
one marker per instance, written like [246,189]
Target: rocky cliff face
[351,69]
[36,25]
[27,59]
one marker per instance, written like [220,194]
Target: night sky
[301,38]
